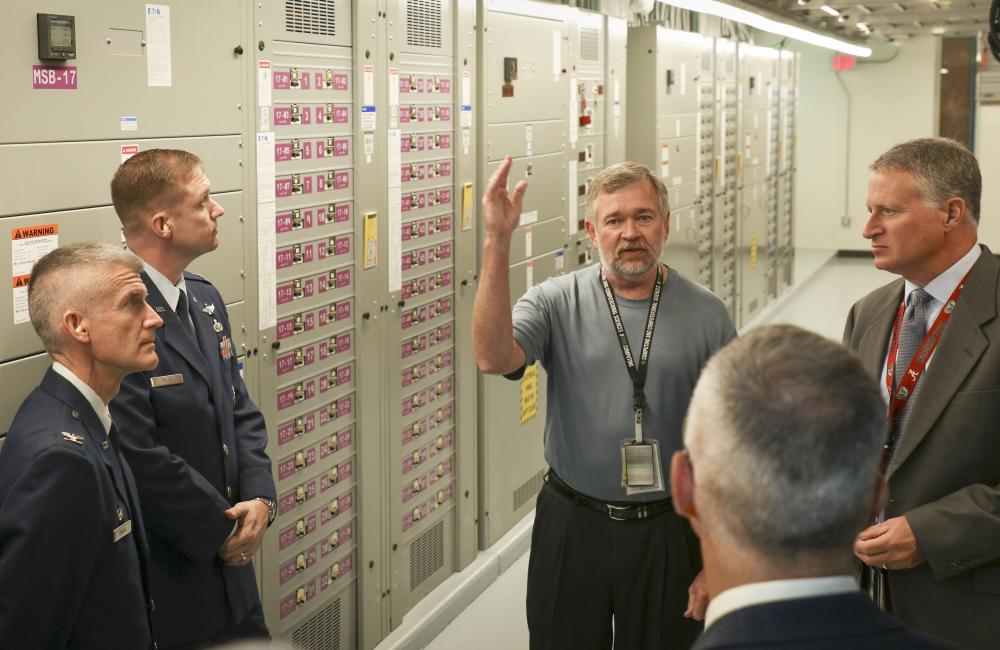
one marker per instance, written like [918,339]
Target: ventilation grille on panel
[426,555]
[589,37]
[322,631]
[311,17]
[423,23]
[528,489]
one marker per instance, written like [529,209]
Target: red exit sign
[843,62]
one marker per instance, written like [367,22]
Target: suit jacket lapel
[873,344]
[961,346]
[174,333]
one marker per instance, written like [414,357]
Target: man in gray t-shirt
[623,343]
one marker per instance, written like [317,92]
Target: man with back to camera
[622,343]
[779,473]
[929,338]
[73,553]
[190,431]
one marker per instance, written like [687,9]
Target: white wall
[821,150]
[988,152]
[844,124]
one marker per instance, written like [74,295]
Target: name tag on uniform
[166,380]
[122,531]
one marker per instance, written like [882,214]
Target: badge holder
[642,471]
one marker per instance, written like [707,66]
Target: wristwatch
[272,508]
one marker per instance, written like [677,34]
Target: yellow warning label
[467,202]
[753,251]
[371,240]
[529,394]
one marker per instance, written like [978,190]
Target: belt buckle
[612,509]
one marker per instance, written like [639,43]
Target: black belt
[623,511]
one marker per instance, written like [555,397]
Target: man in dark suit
[193,436]
[779,473]
[936,550]
[73,553]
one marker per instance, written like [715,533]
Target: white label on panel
[158,71]
[574,111]
[466,118]
[129,123]
[527,241]
[664,160]
[393,98]
[571,198]
[527,218]
[265,167]
[467,88]
[395,233]
[369,146]
[529,134]
[556,54]
[684,75]
[266,268]
[529,274]
[367,118]
[560,260]
[27,246]
[264,118]
[368,85]
[128,150]
[466,140]
[264,83]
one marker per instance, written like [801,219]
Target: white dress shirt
[96,403]
[939,289]
[171,292]
[758,593]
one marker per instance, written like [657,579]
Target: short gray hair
[66,278]
[784,434]
[614,177]
[941,169]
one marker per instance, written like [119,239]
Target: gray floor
[495,620]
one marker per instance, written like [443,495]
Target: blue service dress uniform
[70,574]
[196,443]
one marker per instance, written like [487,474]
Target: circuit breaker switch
[300,459]
[328,113]
[334,474]
[300,392]
[296,148]
[296,183]
[300,426]
[328,78]
[333,443]
[296,114]
[297,254]
[297,291]
[334,539]
[297,219]
[335,571]
[300,494]
[329,146]
[335,507]
[294,77]
[330,180]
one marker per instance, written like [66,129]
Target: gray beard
[627,270]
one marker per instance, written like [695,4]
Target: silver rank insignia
[209,309]
[950,307]
[217,326]
[72,437]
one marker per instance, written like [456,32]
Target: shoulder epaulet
[188,275]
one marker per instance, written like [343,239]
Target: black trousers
[586,569]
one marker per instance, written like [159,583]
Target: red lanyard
[913,373]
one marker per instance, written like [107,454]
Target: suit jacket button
[152,607]
[229,491]
[225,449]
[75,414]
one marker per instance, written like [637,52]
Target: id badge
[641,468]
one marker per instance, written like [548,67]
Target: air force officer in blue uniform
[73,553]
[192,435]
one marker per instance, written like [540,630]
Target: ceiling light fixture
[830,10]
[765,24]
[864,28]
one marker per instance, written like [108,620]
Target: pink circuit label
[53,77]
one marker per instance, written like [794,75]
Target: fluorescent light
[830,10]
[764,24]
[865,28]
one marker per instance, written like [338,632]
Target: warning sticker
[27,246]
[20,303]
[529,394]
